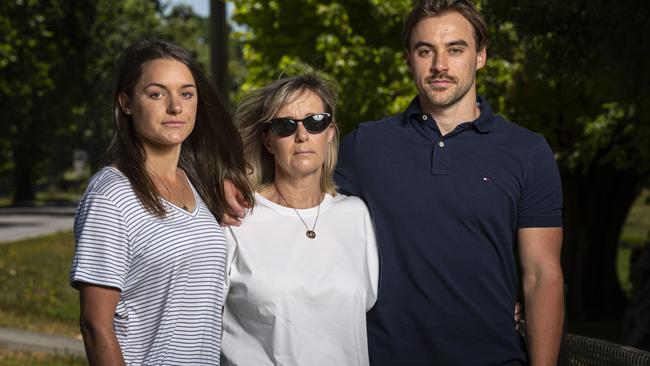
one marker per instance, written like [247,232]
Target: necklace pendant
[311,234]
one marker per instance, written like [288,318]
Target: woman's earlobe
[334,130]
[125,104]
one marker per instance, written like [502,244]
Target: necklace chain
[311,233]
[183,183]
[169,194]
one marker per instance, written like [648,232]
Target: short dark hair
[211,153]
[432,8]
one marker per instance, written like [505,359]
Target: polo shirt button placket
[439,164]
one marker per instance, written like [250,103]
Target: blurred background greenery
[573,70]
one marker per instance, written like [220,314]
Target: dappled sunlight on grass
[623,269]
[16,358]
[635,233]
[637,223]
[34,290]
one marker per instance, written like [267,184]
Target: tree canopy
[56,66]
[356,43]
[581,78]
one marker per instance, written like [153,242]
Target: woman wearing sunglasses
[303,265]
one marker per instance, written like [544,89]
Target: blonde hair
[261,105]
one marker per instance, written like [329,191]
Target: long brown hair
[213,151]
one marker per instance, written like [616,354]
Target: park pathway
[20,340]
[17,223]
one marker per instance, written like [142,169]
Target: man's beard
[457,90]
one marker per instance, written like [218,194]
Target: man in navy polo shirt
[456,192]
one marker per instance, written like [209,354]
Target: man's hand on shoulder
[236,205]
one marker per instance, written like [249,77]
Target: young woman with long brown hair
[150,255]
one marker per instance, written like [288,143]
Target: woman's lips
[173,123]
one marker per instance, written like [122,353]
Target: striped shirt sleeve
[102,254]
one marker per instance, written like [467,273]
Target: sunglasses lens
[283,127]
[317,123]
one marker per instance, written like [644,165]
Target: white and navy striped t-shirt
[170,272]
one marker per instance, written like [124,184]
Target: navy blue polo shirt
[446,211]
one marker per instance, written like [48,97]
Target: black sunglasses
[316,123]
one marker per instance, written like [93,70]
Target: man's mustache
[442,76]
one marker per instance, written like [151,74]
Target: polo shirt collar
[483,124]
[413,112]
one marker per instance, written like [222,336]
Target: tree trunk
[595,208]
[23,182]
[27,149]
[219,48]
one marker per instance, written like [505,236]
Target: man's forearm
[544,317]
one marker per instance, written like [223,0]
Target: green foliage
[184,27]
[56,67]
[34,290]
[115,25]
[56,59]
[580,78]
[355,42]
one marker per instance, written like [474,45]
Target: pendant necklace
[311,234]
[184,181]
[169,192]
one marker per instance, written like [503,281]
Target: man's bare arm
[543,284]
[236,204]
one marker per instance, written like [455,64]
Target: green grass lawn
[637,224]
[635,233]
[14,358]
[34,290]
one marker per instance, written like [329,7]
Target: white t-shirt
[299,301]
[170,272]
